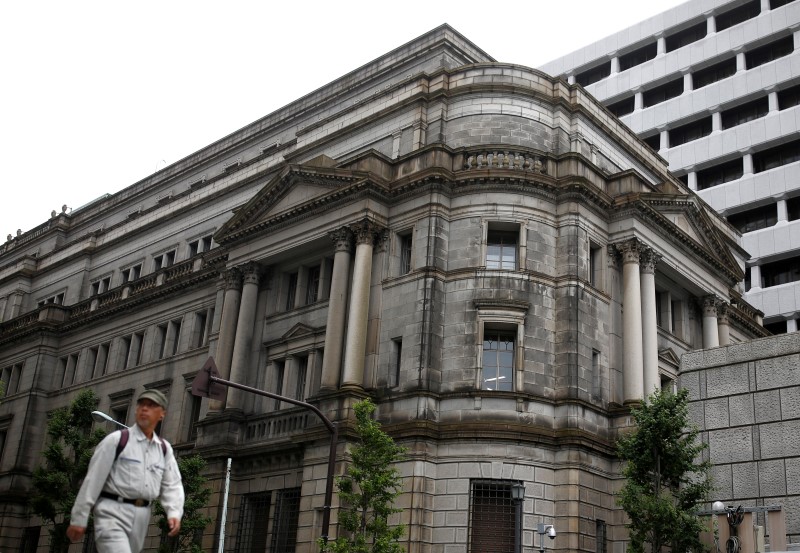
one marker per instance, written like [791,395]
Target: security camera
[551,532]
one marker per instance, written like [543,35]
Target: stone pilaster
[337,309]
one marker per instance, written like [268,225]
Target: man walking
[129,469]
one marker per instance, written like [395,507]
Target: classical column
[724,324]
[240,361]
[652,380]
[710,330]
[227,327]
[337,309]
[366,233]
[632,356]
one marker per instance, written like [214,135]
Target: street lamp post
[517,496]
[99,416]
[207,383]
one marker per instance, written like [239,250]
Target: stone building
[713,86]
[484,250]
[745,398]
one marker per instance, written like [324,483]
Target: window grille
[287,512]
[253,523]
[492,517]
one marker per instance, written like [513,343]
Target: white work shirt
[141,471]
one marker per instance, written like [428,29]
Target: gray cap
[155,396]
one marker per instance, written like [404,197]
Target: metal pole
[326,509]
[224,508]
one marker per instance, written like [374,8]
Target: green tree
[368,490]
[194,522]
[66,458]
[666,482]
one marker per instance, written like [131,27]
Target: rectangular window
[199,246]
[131,273]
[622,107]
[287,515]
[714,73]
[280,371]
[776,157]
[692,131]
[780,272]
[200,326]
[498,360]
[789,97]
[30,539]
[137,349]
[686,36]
[601,539]
[676,313]
[253,523]
[594,74]
[394,363]
[662,93]
[744,113]
[777,327]
[501,249]
[755,219]
[596,376]
[194,415]
[492,525]
[312,285]
[638,56]
[595,265]
[291,291]
[173,337]
[101,286]
[720,174]
[70,364]
[405,254]
[793,208]
[161,341]
[302,375]
[775,4]
[769,52]
[120,413]
[737,15]
[164,260]
[101,360]
[654,141]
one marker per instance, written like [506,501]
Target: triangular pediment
[685,219]
[669,357]
[295,190]
[299,330]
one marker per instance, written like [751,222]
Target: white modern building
[714,86]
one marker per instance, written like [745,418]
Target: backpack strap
[123,441]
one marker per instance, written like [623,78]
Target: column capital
[629,250]
[710,304]
[233,279]
[648,259]
[342,239]
[251,272]
[368,232]
[722,311]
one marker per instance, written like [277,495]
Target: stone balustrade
[496,158]
[276,425]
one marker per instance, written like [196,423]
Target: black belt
[136,502]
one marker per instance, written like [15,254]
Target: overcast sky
[97,95]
